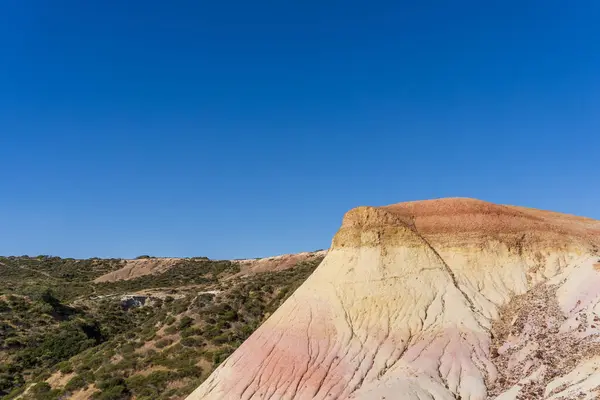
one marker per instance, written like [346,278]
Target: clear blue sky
[247,128]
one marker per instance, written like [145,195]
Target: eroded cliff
[413,301]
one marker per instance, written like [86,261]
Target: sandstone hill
[143,266]
[438,300]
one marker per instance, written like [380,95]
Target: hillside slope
[154,331]
[442,299]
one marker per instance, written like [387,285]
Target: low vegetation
[62,334]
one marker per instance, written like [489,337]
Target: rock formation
[133,301]
[441,299]
[276,263]
[133,269]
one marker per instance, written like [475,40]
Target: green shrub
[43,391]
[189,371]
[151,385]
[164,342]
[171,330]
[88,376]
[4,307]
[43,376]
[71,339]
[129,362]
[244,331]
[112,388]
[191,331]
[230,315]
[65,367]
[221,339]
[127,348]
[114,393]
[220,355]
[180,306]
[76,382]
[185,322]
[13,342]
[191,341]
[40,388]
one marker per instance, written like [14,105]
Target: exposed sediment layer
[406,303]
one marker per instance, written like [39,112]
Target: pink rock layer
[403,304]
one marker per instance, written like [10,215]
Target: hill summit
[441,299]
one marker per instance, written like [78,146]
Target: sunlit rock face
[439,299]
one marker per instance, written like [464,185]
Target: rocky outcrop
[133,269]
[139,267]
[277,263]
[133,301]
[433,300]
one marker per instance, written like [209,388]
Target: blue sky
[246,129]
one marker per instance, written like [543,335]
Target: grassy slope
[54,328]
